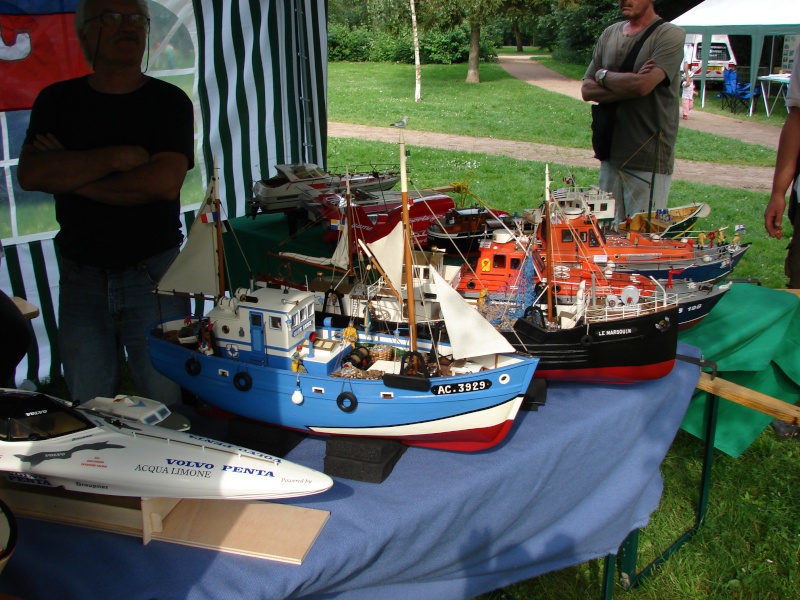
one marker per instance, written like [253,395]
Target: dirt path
[752,178]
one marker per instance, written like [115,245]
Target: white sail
[388,251]
[196,269]
[340,258]
[469,332]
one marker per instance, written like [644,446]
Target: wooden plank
[750,398]
[277,532]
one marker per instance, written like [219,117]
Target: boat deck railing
[603,312]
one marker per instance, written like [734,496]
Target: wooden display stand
[277,532]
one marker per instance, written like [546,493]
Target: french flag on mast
[209,217]
[38,46]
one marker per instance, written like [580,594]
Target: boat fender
[347,402]
[242,381]
[192,366]
[586,341]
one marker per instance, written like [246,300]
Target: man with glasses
[113,148]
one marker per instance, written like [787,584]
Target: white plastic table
[783,87]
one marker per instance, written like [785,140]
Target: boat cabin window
[499,261]
[255,320]
[275,323]
[52,423]
[303,313]
[516,263]
[566,236]
[295,320]
[593,241]
[421,273]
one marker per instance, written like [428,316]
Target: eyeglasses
[115,19]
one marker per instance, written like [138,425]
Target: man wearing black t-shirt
[113,148]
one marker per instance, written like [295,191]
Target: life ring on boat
[233,350]
[193,366]
[347,402]
[586,341]
[242,381]
[284,270]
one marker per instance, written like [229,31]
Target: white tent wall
[260,100]
[741,17]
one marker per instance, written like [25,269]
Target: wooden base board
[266,530]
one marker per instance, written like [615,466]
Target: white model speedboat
[50,442]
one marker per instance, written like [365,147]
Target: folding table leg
[630,547]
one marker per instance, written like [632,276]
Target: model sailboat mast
[412,320]
[549,267]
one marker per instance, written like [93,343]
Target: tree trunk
[417,64]
[518,36]
[474,54]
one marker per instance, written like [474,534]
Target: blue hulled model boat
[260,354]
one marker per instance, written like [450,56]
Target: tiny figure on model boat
[50,442]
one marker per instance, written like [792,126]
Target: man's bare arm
[159,179]
[623,86]
[785,166]
[46,166]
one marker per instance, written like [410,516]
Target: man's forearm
[160,179]
[62,171]
[788,153]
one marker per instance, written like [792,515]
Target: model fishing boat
[462,229]
[592,338]
[260,354]
[51,443]
[371,221]
[575,236]
[498,276]
[293,182]
[675,222]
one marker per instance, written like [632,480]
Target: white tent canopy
[741,17]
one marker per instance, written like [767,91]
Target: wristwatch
[601,77]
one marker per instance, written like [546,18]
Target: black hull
[625,351]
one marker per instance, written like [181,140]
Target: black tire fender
[347,402]
[193,366]
[242,381]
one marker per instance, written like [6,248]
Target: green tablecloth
[753,335]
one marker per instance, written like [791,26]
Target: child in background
[687,97]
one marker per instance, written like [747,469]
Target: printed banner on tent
[38,46]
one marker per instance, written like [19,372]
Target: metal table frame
[629,550]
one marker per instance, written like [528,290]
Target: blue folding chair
[736,96]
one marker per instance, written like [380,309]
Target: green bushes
[441,46]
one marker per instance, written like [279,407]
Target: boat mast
[218,225]
[549,267]
[412,321]
[348,215]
